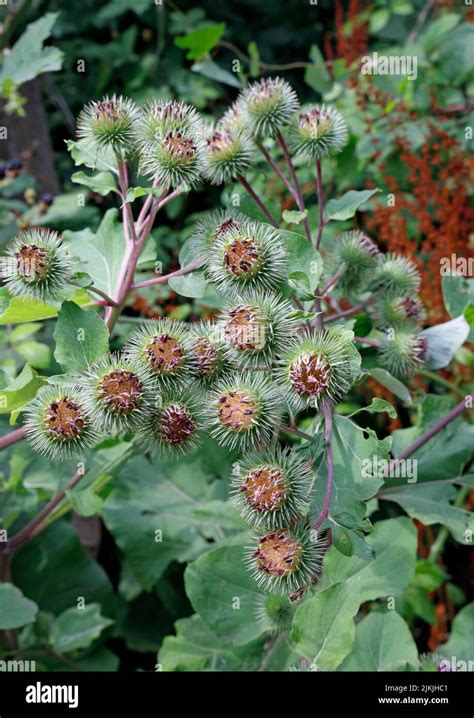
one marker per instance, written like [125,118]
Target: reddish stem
[164,278]
[257,201]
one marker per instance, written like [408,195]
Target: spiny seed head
[317,131]
[319,367]
[228,155]
[285,560]
[159,117]
[234,119]
[250,257]
[242,412]
[108,123]
[256,327]
[208,360]
[118,393]
[403,350]
[272,488]
[393,311]
[268,106]
[356,256]
[59,424]
[176,155]
[37,264]
[274,613]
[397,275]
[162,348]
[213,226]
[175,426]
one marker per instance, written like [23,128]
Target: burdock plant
[285,342]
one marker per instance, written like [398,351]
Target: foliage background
[408,139]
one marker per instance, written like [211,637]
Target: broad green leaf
[383,642]
[153,514]
[200,42]
[353,452]
[346,206]
[302,257]
[378,20]
[224,594]
[350,542]
[15,609]
[77,628]
[189,285]
[293,216]
[443,341]
[85,502]
[377,406]
[28,58]
[30,310]
[458,292]
[81,337]
[444,456]
[392,384]
[21,390]
[456,57]
[431,504]
[101,253]
[299,282]
[208,68]
[101,183]
[36,354]
[53,569]
[394,542]
[323,627]
[316,75]
[83,154]
[196,648]
[459,644]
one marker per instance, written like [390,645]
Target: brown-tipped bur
[179,146]
[176,425]
[64,419]
[205,358]
[264,488]
[309,374]
[280,554]
[121,391]
[164,353]
[242,256]
[244,330]
[31,261]
[237,410]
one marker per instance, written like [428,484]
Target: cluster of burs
[236,377]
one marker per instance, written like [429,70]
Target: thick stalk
[299,195]
[257,201]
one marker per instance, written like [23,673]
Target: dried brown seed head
[242,256]
[64,419]
[244,330]
[165,353]
[237,410]
[278,554]
[264,488]
[176,424]
[31,261]
[121,391]
[309,374]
